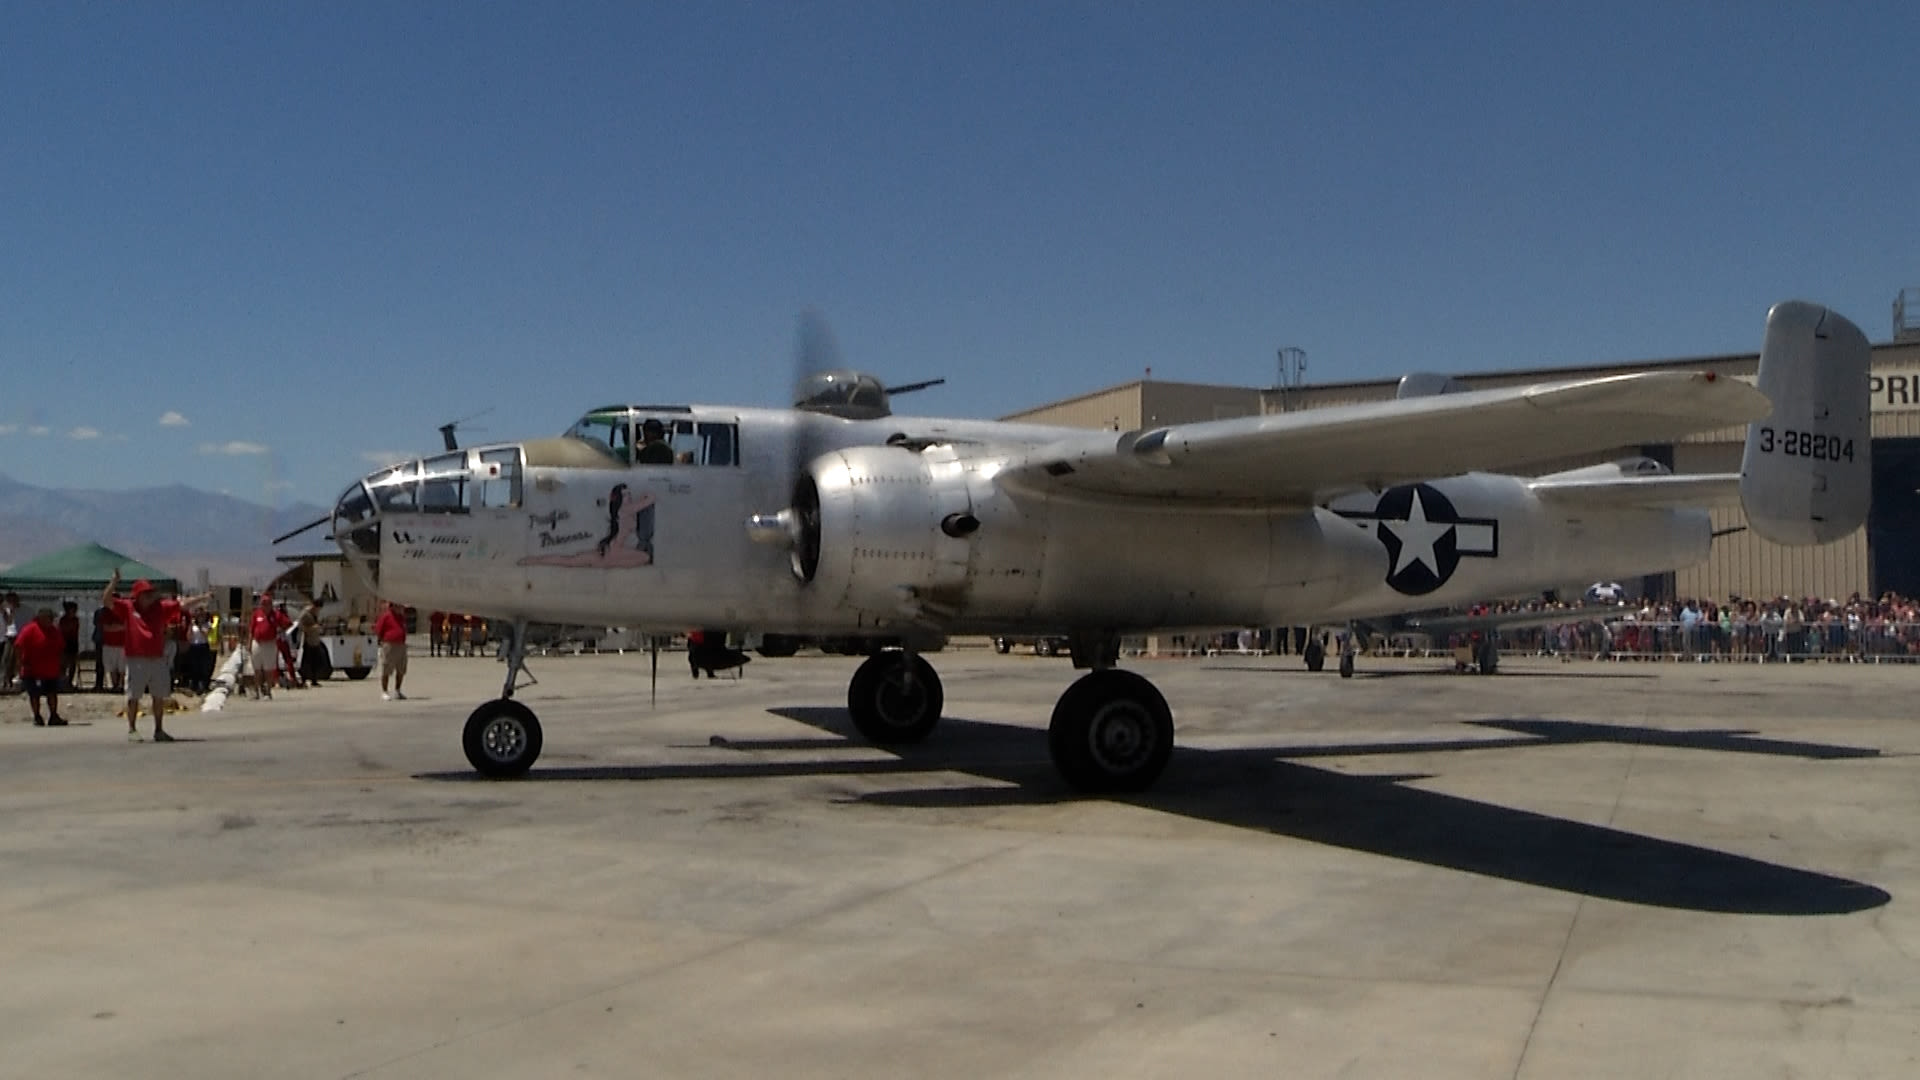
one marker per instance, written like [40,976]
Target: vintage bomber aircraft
[838,518]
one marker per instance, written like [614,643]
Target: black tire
[1315,655]
[1002,646]
[1044,647]
[357,673]
[894,699]
[1489,657]
[1111,733]
[502,739]
[1346,664]
[778,646]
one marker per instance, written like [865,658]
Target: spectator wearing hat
[149,619]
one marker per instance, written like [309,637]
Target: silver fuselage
[582,536]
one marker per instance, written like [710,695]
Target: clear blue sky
[305,233]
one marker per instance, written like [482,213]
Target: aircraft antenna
[447,429]
[1293,373]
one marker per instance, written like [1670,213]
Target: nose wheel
[502,739]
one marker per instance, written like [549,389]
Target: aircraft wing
[1302,458]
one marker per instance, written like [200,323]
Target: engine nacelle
[888,532]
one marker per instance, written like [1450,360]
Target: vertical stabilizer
[1806,476]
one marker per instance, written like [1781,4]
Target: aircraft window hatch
[498,479]
[443,487]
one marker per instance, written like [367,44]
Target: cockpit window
[443,487]
[630,435]
[498,479]
[396,488]
[610,430]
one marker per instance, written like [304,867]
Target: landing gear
[1315,654]
[895,697]
[1111,732]
[1346,664]
[502,737]
[1487,654]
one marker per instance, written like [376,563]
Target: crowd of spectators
[1859,629]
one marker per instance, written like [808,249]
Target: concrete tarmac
[1564,870]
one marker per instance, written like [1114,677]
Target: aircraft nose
[357,513]
[357,530]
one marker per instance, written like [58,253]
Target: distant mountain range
[178,529]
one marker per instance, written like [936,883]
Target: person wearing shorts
[263,644]
[39,647]
[149,620]
[391,631]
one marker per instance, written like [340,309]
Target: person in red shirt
[40,648]
[391,630]
[263,632]
[113,648]
[149,619]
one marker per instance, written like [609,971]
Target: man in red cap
[148,618]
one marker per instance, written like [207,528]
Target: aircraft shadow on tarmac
[1264,789]
[1431,673]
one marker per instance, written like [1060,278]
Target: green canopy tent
[80,572]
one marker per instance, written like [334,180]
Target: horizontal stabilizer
[1707,490]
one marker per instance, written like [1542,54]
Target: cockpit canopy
[657,435]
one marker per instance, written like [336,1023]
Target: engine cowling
[886,533]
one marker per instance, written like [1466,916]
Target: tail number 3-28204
[1806,444]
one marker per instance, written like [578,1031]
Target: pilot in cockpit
[654,449]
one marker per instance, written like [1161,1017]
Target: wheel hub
[1121,736]
[900,700]
[504,739]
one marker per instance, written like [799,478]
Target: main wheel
[776,646]
[1315,655]
[357,673]
[502,738]
[1489,657]
[1002,646]
[1111,732]
[1346,664]
[895,698]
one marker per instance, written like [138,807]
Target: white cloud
[8,429]
[174,419]
[384,457]
[278,485]
[236,448]
[39,429]
[84,433]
